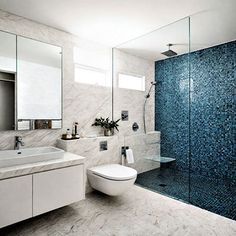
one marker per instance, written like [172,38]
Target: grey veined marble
[138,212]
[77,97]
[68,159]
[143,145]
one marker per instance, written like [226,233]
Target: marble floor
[138,212]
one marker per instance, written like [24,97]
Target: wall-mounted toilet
[111,179]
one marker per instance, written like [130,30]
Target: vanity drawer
[15,200]
[57,188]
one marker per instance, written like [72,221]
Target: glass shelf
[160,159]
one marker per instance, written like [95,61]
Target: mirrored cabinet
[7,52]
[7,81]
[30,84]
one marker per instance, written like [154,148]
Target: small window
[133,82]
[90,75]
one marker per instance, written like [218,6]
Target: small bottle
[68,134]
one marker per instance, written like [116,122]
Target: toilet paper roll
[129,156]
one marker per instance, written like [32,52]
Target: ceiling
[207,29]
[109,22]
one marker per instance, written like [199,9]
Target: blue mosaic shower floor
[215,195]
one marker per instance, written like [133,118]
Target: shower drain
[162,185]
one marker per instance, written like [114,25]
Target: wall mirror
[30,84]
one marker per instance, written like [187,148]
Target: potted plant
[107,125]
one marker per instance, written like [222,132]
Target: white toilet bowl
[111,179]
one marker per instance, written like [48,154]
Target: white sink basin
[29,155]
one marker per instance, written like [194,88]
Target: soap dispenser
[75,131]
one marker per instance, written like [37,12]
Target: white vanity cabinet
[30,195]
[15,200]
[57,188]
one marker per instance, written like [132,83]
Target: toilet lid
[114,172]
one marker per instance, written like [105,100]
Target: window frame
[132,75]
[94,69]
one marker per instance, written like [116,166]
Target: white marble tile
[68,159]
[139,212]
[82,103]
[89,148]
[133,100]
[141,144]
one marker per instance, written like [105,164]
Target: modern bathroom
[117,118]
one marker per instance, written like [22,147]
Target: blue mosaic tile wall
[210,113]
[172,108]
[213,110]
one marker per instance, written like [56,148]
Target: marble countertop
[150,133]
[68,159]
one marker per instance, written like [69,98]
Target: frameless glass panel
[213,111]
[172,110]
[191,153]
[38,81]
[161,111]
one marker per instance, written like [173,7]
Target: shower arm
[148,94]
[144,106]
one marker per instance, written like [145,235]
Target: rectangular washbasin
[29,155]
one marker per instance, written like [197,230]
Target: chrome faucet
[18,142]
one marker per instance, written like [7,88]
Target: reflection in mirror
[31,94]
[7,52]
[38,80]
[7,101]
[7,80]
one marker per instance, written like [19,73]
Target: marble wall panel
[133,100]
[141,144]
[81,102]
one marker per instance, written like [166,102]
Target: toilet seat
[114,172]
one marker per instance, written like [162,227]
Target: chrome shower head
[169,52]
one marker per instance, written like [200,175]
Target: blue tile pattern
[172,108]
[213,111]
[208,193]
[195,110]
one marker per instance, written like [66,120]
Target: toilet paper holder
[123,150]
